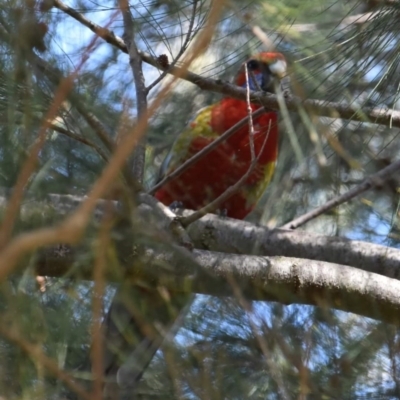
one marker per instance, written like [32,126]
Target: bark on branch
[285,266]
[283,279]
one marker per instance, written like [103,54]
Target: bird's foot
[176,205]
[222,212]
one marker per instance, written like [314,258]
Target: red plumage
[214,173]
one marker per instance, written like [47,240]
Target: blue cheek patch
[258,77]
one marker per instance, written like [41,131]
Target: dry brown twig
[250,112]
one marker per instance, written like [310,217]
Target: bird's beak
[278,69]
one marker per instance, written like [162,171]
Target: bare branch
[278,278]
[102,32]
[287,280]
[135,61]
[232,236]
[226,235]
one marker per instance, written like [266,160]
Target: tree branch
[382,116]
[233,236]
[316,270]
[224,235]
[287,280]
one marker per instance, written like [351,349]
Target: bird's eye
[253,65]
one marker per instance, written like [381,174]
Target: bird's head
[264,71]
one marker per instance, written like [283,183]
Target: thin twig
[181,51]
[214,205]
[261,35]
[210,147]
[102,32]
[135,61]
[374,180]
[249,114]
[96,125]
[80,139]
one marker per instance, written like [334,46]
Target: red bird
[214,173]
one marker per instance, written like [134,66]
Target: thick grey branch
[287,280]
[300,276]
[227,235]
[291,280]
[233,236]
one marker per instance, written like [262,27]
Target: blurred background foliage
[337,51]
